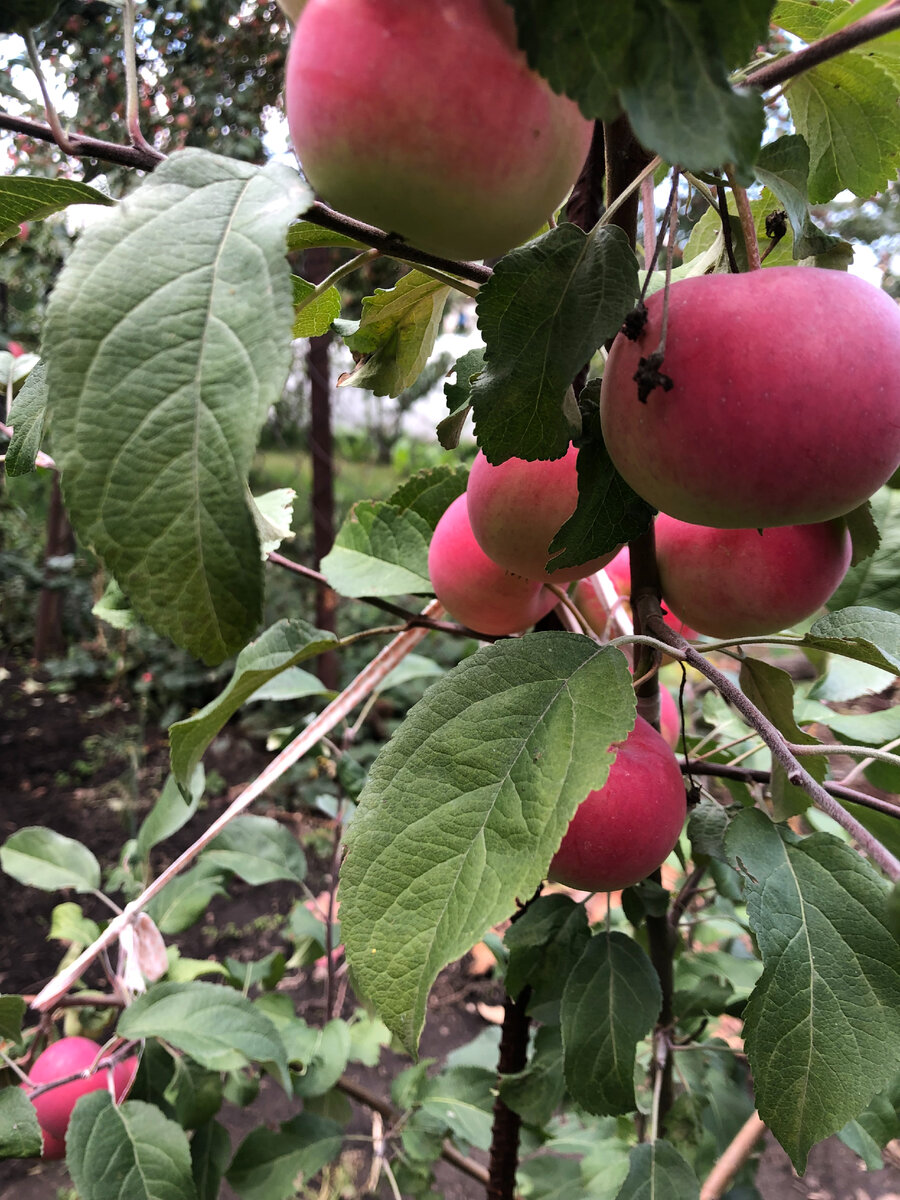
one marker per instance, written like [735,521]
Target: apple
[589,598]
[669,718]
[423,117]
[472,588]
[59,1060]
[785,402]
[741,582]
[53,1147]
[627,828]
[517,508]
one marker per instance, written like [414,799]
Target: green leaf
[368,1037]
[47,860]
[325,1065]
[543,313]
[273,513]
[114,608]
[706,828]
[863,533]
[665,61]
[313,315]
[305,235]
[185,899]
[69,924]
[29,199]
[783,166]
[286,643]
[656,1169]
[194,1093]
[608,512]
[20,1134]
[537,1092]
[160,381]
[27,415]
[170,812]
[863,633]
[467,804]
[216,1026]
[12,1010]
[268,1165]
[875,581]
[822,1027]
[544,945]
[549,1177]
[292,684]
[467,369]
[807,19]
[846,109]
[396,334]
[259,850]
[460,1101]
[382,547]
[210,1152]
[130,1150]
[610,1001]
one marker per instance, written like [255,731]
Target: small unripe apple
[626,829]
[59,1060]
[785,400]
[518,507]
[423,117]
[741,582]
[472,588]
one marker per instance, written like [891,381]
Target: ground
[43,734]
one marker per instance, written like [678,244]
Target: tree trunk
[48,632]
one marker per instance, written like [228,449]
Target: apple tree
[709,357]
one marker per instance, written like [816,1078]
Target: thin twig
[748,225]
[132,98]
[143,158]
[851,751]
[59,134]
[365,682]
[733,1158]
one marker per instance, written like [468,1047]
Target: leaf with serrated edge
[783,166]
[610,1001]
[44,859]
[822,1027]
[167,340]
[380,551]
[313,315]
[20,1134]
[874,581]
[27,418]
[847,111]
[430,492]
[27,199]
[267,1164]
[868,634]
[217,1027]
[305,235]
[259,850]
[285,644]
[396,334]
[467,804]
[656,1169]
[131,1150]
[543,313]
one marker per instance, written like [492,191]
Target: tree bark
[48,631]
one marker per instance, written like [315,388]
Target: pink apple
[741,582]
[518,507]
[785,404]
[64,1058]
[627,828]
[423,117]
[472,588]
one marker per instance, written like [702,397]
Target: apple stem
[748,225]
[567,603]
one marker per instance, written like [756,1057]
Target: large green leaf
[396,334]
[267,1164]
[219,1028]
[656,1169]
[167,340]
[846,109]
[543,313]
[127,1152]
[284,644]
[808,19]
[665,61]
[465,807]
[610,1001]
[822,1027]
[868,634]
[42,858]
[26,199]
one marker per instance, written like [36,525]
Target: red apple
[627,828]
[594,609]
[741,582]
[518,507]
[785,404]
[423,117]
[53,1147]
[472,588]
[59,1060]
